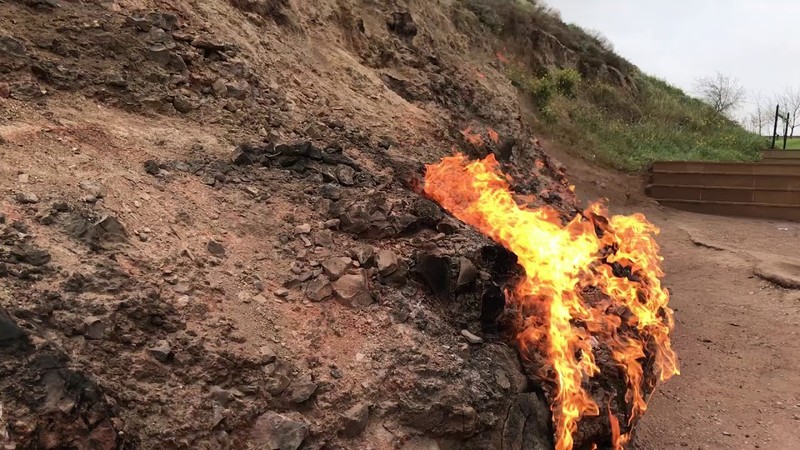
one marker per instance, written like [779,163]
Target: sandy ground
[736,337]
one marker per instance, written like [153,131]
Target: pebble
[27,198]
[471,338]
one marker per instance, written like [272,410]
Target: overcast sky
[681,40]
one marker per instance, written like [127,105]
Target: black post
[786,130]
[775,128]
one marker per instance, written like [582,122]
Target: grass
[602,106]
[791,143]
[629,130]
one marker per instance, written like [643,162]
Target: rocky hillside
[212,233]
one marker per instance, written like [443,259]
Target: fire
[616,256]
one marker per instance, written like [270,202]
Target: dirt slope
[162,291]
[212,237]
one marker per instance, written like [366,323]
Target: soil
[166,286]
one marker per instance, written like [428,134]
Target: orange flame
[560,262]
[493,135]
[473,138]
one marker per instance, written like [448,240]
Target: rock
[9,330]
[60,206]
[182,104]
[281,292]
[352,289]
[302,390]
[447,226]
[116,79]
[241,157]
[151,167]
[273,431]
[319,289]
[527,425]
[330,192]
[162,351]
[158,36]
[94,189]
[215,248]
[336,267]
[424,443]
[206,43]
[364,254]
[220,88]
[467,274]
[346,175]
[315,130]
[23,178]
[267,354]
[471,338]
[386,262]
[94,328]
[140,23]
[332,223]
[402,24]
[27,253]
[182,288]
[108,229]
[303,229]
[355,420]
[324,238]
[239,90]
[435,272]
[47,218]
[163,55]
[27,198]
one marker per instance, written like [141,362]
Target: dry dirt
[156,336]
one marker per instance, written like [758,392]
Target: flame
[561,261]
[471,137]
[493,135]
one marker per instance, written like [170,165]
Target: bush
[542,90]
[566,80]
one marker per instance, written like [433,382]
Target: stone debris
[355,420]
[352,289]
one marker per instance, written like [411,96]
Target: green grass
[791,143]
[628,130]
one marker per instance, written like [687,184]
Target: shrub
[566,80]
[542,90]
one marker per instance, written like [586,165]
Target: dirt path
[736,336]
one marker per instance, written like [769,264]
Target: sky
[681,40]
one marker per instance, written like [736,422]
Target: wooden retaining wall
[768,189]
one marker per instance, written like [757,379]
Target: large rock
[273,431]
[354,420]
[527,426]
[336,267]
[352,289]
[319,289]
[387,262]
[9,330]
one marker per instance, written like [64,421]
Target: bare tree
[789,101]
[722,92]
[761,115]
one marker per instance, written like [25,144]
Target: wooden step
[781,154]
[783,161]
[773,168]
[783,181]
[760,210]
[725,194]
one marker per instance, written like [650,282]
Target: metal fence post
[775,127]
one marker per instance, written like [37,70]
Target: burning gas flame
[560,262]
